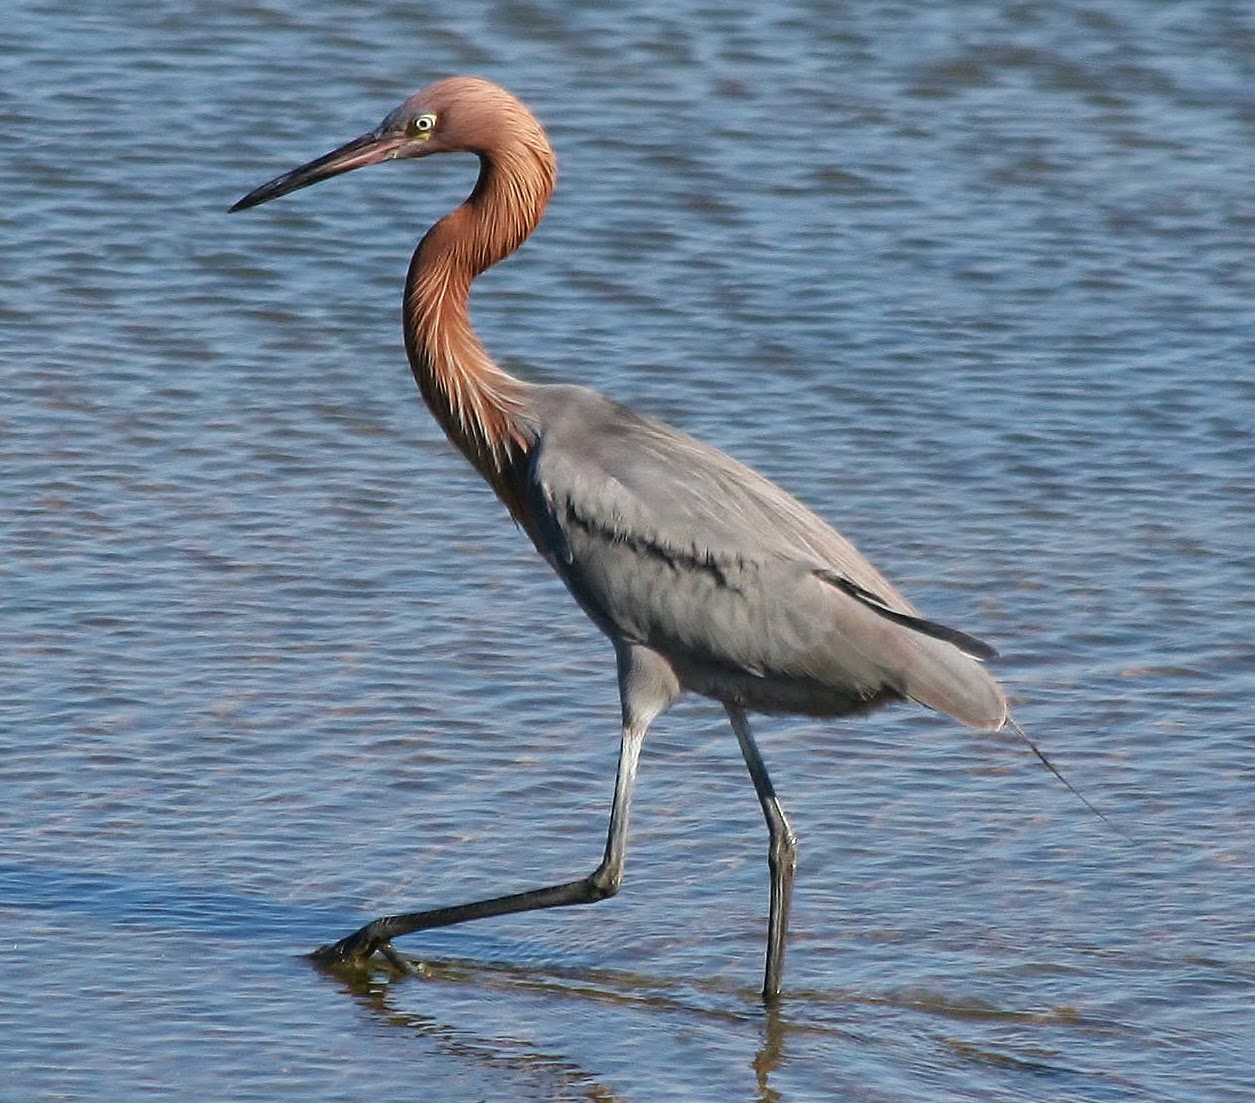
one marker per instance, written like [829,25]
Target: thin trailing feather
[1041,757]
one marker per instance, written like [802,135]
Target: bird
[705,576]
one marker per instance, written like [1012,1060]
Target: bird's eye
[423,124]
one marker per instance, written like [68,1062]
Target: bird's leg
[781,856]
[604,881]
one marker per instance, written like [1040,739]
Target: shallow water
[975,281]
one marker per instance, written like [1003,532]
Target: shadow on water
[804,1018]
[376,989]
[567,1078]
[861,1024]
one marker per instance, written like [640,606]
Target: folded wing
[668,542]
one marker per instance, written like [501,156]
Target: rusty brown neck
[484,411]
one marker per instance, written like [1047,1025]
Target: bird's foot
[355,950]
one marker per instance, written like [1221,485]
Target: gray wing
[668,542]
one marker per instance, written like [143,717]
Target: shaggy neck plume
[484,410]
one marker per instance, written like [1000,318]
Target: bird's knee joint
[783,852]
[603,883]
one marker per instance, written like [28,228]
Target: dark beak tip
[252,199]
[261,195]
[365,150]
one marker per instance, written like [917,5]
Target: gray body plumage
[673,546]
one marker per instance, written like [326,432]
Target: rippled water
[975,280]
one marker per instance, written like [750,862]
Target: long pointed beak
[369,149]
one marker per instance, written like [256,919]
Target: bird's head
[457,114]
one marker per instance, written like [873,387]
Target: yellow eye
[421,126]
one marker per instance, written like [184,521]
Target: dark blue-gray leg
[781,854]
[604,881]
[646,689]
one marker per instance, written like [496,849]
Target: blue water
[972,280]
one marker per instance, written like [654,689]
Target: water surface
[974,281]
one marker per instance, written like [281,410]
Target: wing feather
[669,542]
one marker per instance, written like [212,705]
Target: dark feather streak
[969,645]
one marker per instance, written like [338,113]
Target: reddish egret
[704,575]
